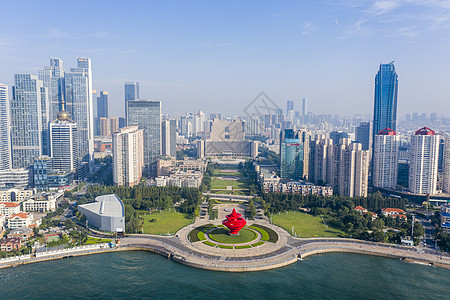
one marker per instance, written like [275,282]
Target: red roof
[359,207]
[397,210]
[400,216]
[10,204]
[387,131]
[21,215]
[425,131]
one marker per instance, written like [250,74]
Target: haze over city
[218,56]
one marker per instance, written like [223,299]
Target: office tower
[102,105]
[363,135]
[423,161]
[122,122]
[101,110]
[168,138]
[385,100]
[113,125]
[294,154]
[147,115]
[128,151]
[353,170]
[28,120]
[5,142]
[304,106]
[103,127]
[63,142]
[289,106]
[131,93]
[53,79]
[385,159]
[78,91]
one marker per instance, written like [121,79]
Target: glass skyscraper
[147,115]
[291,153]
[385,103]
[131,93]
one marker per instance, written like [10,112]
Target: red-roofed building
[392,212]
[425,131]
[19,220]
[361,209]
[387,131]
[9,244]
[9,208]
[403,217]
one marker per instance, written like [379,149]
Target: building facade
[5,142]
[385,159]
[294,154]
[131,93]
[423,161]
[64,143]
[128,156]
[385,100]
[146,115]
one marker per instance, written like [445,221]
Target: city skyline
[290,51]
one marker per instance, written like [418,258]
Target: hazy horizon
[218,56]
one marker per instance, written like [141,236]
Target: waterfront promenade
[286,251]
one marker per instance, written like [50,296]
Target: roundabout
[222,235]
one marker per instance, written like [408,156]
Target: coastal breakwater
[220,262]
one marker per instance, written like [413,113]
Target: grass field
[219,172]
[304,225]
[165,221]
[221,235]
[91,241]
[217,183]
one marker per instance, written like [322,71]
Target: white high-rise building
[446,163]
[353,171]
[168,138]
[147,115]
[385,159]
[128,153]
[423,166]
[5,142]
[29,120]
[63,142]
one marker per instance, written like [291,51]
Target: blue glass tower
[385,104]
[291,154]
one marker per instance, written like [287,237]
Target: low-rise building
[190,179]
[9,208]
[393,212]
[42,202]
[23,233]
[299,187]
[361,210]
[9,244]
[16,195]
[21,219]
[106,213]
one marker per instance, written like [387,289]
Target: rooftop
[107,205]
[425,131]
[387,131]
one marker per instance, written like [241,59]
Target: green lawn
[218,172]
[165,221]
[221,235]
[91,241]
[304,225]
[217,183]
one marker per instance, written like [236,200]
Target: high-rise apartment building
[294,154]
[29,108]
[385,159]
[423,161]
[353,170]
[385,100]
[128,150]
[446,164]
[53,79]
[78,91]
[147,115]
[131,93]
[5,142]
[321,151]
[63,142]
[113,125]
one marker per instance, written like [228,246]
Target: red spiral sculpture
[234,222]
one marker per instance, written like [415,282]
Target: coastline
[308,248]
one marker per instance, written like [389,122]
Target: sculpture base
[233,234]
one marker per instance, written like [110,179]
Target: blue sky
[218,55]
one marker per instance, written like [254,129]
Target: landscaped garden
[164,222]
[305,225]
[221,235]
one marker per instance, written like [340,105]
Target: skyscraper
[28,120]
[63,142]
[304,106]
[423,161]
[147,115]
[128,150]
[53,79]
[294,154]
[168,138]
[353,170]
[131,93]
[385,101]
[446,164]
[5,142]
[78,90]
[363,135]
[102,109]
[385,159]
